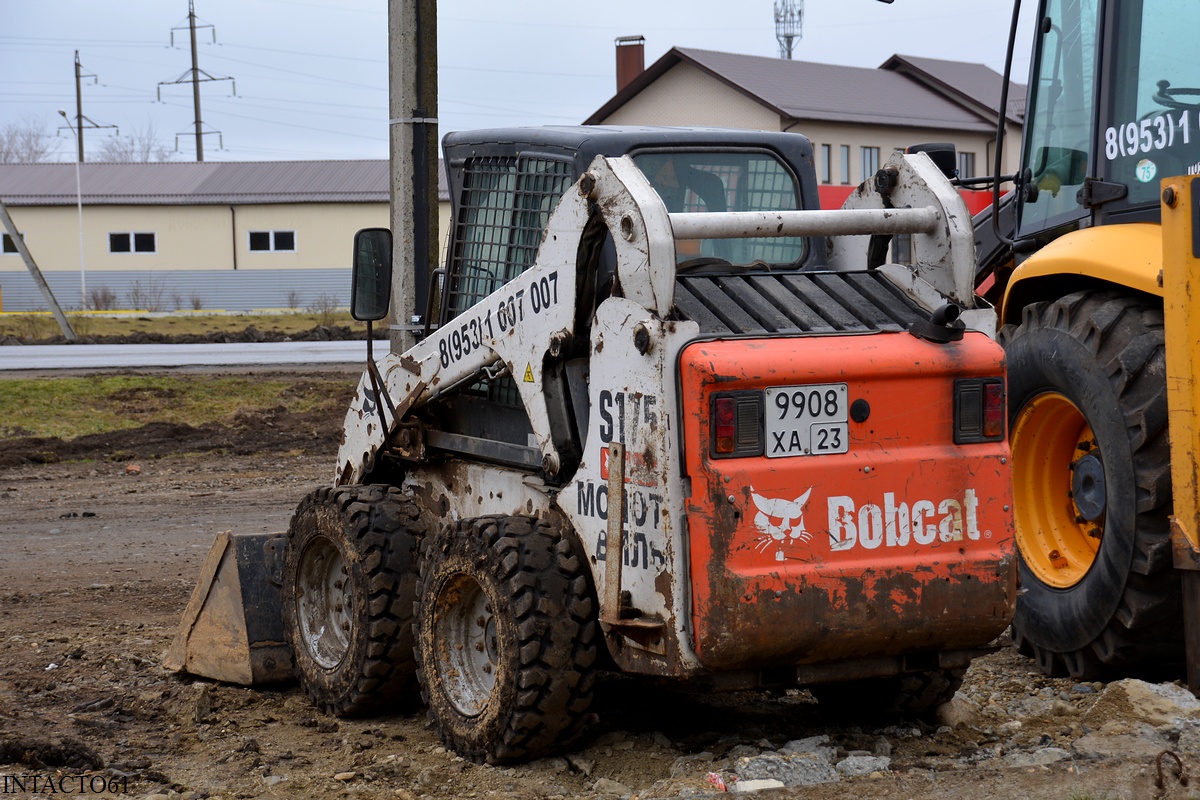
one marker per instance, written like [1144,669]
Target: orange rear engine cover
[885,538]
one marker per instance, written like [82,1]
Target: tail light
[979,410]
[737,426]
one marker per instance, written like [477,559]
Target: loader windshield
[1151,128]
[713,181]
[1058,136]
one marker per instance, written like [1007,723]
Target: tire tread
[555,628]
[381,525]
[1124,334]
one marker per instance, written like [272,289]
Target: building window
[276,241]
[826,166]
[845,164]
[966,165]
[870,161]
[9,245]
[132,243]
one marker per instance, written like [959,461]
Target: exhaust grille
[794,303]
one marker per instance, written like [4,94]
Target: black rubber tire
[375,532]
[528,589]
[912,694]
[1103,351]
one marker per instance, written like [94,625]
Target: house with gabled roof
[854,116]
[229,235]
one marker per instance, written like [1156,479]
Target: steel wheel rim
[1058,543]
[323,603]
[466,645]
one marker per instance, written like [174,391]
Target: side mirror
[941,153]
[371,290]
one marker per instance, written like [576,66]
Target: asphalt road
[103,356]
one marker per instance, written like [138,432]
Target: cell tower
[789,21]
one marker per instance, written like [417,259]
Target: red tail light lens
[724,429]
[993,410]
[979,410]
[737,424]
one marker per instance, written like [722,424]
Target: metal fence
[183,290]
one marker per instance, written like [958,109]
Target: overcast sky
[311,75]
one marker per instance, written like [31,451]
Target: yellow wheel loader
[1079,259]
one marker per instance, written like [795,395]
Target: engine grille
[794,302]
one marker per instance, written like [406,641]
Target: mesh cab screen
[505,205]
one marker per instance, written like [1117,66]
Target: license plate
[807,420]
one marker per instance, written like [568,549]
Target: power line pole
[196,76]
[77,129]
[80,119]
[79,104]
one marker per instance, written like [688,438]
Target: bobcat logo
[779,522]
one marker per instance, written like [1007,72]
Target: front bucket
[232,629]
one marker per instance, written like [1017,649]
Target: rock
[1156,703]
[1142,743]
[608,787]
[794,769]
[859,766]
[345,776]
[661,740]
[582,764]
[203,709]
[746,787]
[742,751]
[815,745]
[684,766]
[959,712]
[1189,739]
[1064,709]
[1037,758]
[1028,706]
[1009,728]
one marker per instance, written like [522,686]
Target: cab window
[1151,127]
[730,181]
[1058,135]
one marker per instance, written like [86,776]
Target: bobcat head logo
[780,522]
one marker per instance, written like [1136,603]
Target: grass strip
[70,407]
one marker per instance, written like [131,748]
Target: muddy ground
[98,557]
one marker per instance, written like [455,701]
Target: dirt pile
[274,430]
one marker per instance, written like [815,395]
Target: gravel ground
[97,559]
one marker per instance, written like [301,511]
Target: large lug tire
[349,583]
[1091,467]
[507,638]
[912,694]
